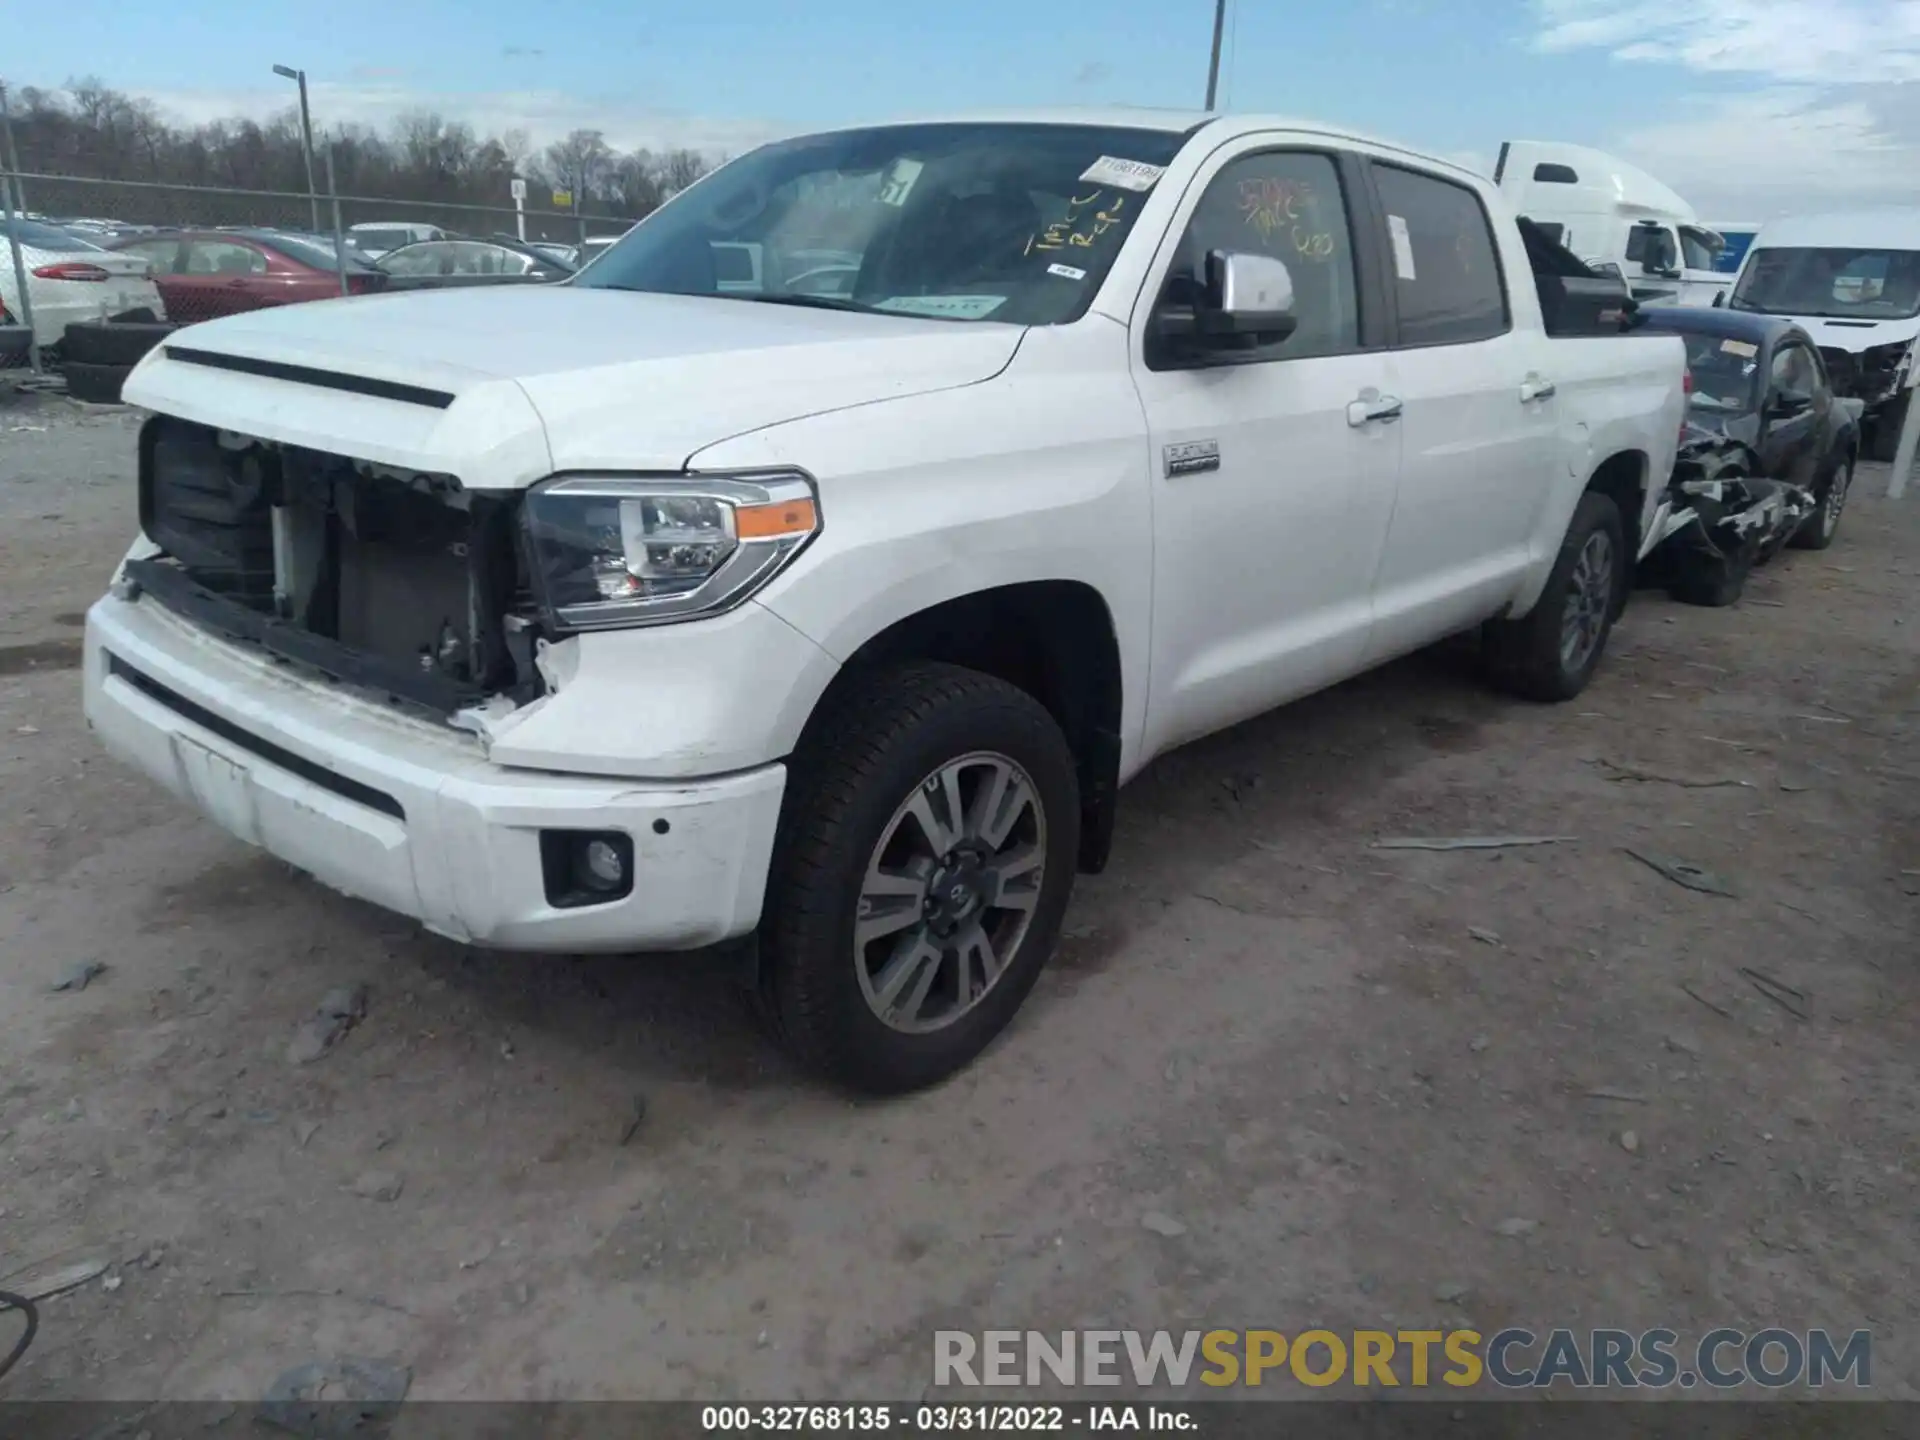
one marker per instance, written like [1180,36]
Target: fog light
[586,867]
[605,869]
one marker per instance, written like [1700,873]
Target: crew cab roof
[1168,121]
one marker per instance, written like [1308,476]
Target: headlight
[612,552]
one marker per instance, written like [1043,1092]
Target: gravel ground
[1338,1070]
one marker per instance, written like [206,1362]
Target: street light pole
[306,134]
[1213,70]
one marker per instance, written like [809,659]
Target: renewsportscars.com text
[1513,1359]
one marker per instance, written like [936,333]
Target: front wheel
[1824,523]
[924,864]
[1550,653]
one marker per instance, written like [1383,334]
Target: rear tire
[1550,653]
[111,342]
[867,1013]
[1716,589]
[97,384]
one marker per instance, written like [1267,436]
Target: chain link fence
[84,203]
[117,213]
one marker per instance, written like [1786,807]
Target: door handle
[1381,407]
[1534,388]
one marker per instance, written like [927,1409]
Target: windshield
[1725,374]
[1832,283]
[1015,223]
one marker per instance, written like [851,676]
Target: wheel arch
[1054,639]
[1623,477]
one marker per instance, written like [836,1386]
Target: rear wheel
[925,860]
[1550,653]
[1831,498]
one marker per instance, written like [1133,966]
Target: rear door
[1273,476]
[164,256]
[1480,419]
[219,276]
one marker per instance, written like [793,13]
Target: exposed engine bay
[403,583]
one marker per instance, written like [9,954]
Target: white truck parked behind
[1610,213]
[838,619]
[1852,282]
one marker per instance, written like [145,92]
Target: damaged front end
[406,585]
[1727,520]
[1873,376]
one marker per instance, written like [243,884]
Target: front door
[1794,420]
[1274,477]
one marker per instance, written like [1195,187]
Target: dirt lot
[1339,1069]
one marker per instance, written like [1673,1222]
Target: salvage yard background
[1342,1086]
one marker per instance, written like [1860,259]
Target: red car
[206,273]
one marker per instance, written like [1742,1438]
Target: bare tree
[579,162]
[92,132]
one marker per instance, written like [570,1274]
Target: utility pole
[287,72]
[1213,70]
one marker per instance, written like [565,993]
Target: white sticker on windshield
[899,182]
[1402,247]
[1066,272]
[1123,174]
[1745,349]
[944,307]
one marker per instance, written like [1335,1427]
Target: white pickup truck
[643,612]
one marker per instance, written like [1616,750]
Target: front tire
[1550,653]
[924,863]
[1820,527]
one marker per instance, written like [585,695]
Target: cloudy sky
[1750,108]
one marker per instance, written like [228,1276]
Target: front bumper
[411,816]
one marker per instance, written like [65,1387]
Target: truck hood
[503,387]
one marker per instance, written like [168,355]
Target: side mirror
[1247,296]
[1719,299]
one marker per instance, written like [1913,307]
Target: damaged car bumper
[417,817]
[1725,527]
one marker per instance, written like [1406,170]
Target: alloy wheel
[949,892]
[1589,601]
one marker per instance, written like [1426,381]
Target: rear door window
[1441,252]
